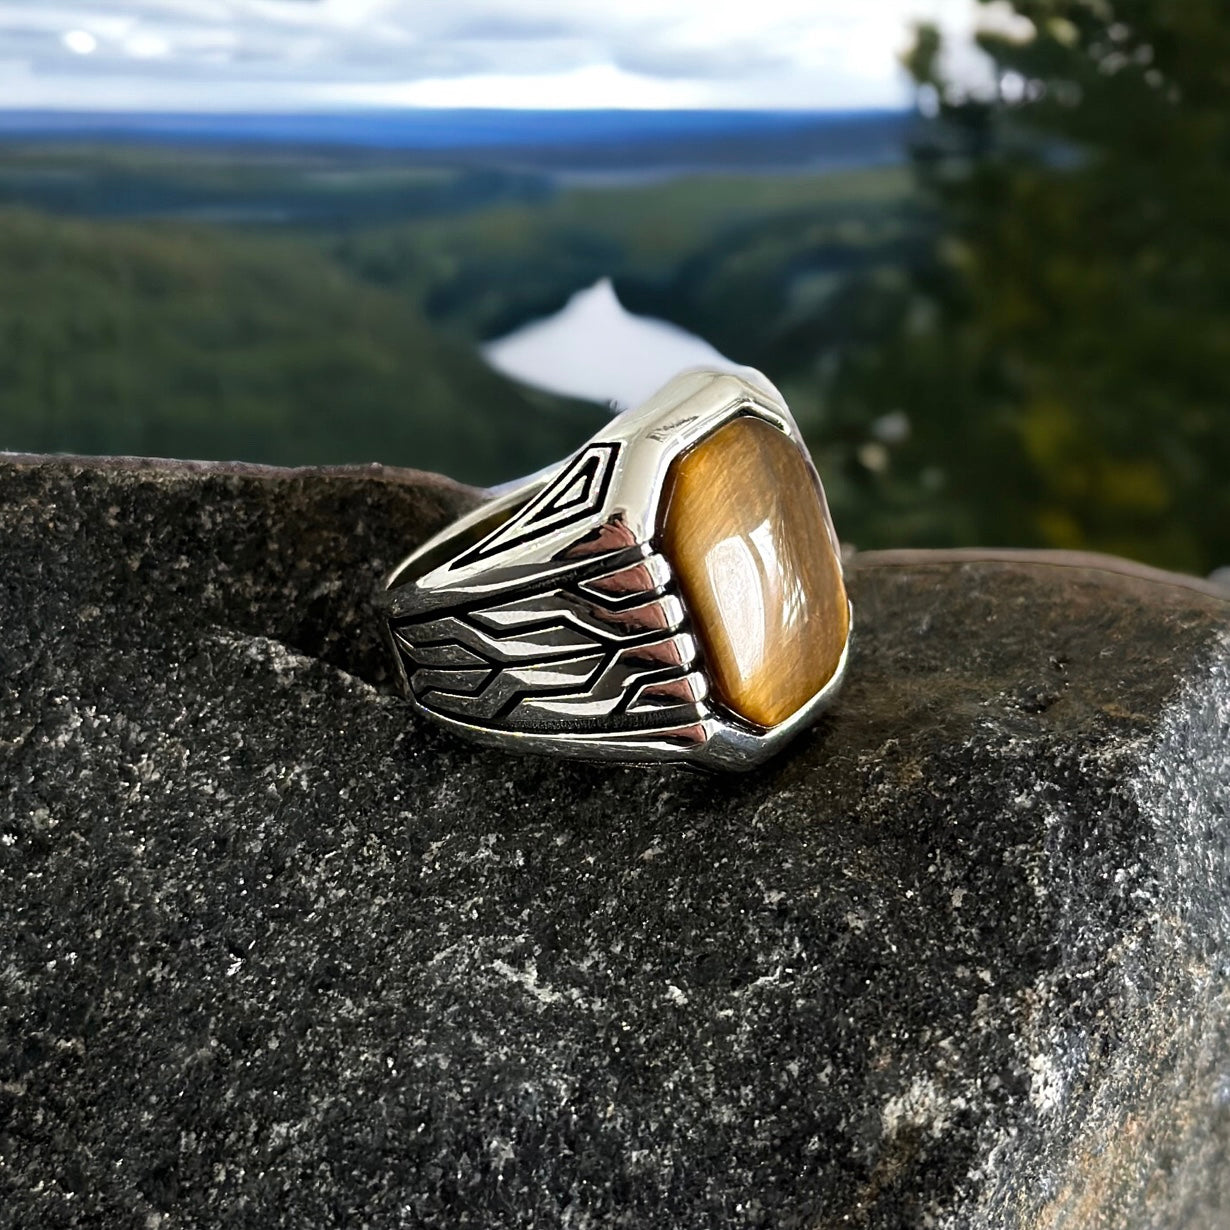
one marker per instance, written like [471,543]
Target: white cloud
[147,45]
[80,42]
[205,54]
[593,86]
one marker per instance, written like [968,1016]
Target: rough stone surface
[274,953]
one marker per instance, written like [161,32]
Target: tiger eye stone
[746,534]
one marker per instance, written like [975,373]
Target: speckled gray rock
[273,953]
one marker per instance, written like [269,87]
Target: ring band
[672,592]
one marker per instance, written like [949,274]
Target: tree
[1065,358]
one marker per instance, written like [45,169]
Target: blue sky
[312,54]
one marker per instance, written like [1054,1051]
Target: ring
[672,592]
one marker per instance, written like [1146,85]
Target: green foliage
[167,340]
[1024,340]
[1064,355]
[482,274]
[243,340]
[786,290]
[298,186]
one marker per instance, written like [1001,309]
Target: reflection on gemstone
[746,533]
[734,572]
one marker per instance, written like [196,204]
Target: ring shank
[554,617]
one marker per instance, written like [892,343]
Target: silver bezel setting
[548,620]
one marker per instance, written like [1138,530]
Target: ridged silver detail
[608,652]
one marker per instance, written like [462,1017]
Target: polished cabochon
[746,532]
[673,591]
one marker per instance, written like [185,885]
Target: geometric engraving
[604,651]
[644,576]
[577,493]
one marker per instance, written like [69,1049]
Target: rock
[275,953]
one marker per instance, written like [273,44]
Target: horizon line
[361,109]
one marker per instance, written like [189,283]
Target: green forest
[1020,336]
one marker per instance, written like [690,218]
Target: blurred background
[983,248]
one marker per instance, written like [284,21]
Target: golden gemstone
[746,531]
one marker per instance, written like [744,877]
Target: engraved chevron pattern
[577,493]
[605,651]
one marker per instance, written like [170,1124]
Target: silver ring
[671,592]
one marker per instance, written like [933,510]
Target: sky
[205,55]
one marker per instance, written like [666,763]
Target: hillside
[169,340]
